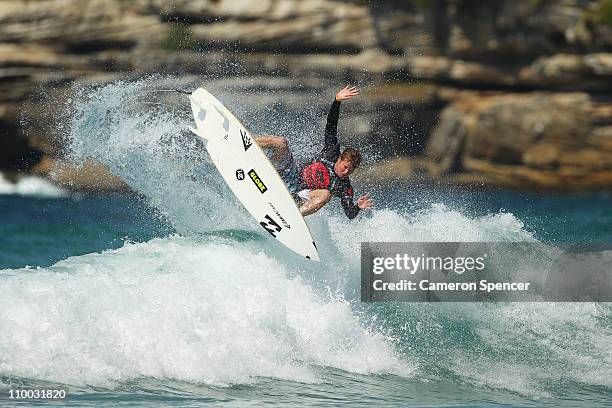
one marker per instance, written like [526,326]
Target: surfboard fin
[198,132]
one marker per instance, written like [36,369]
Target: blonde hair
[351,155]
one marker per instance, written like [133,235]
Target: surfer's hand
[347,93]
[365,201]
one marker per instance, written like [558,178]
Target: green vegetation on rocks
[604,12]
[179,37]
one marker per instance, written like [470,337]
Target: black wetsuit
[320,174]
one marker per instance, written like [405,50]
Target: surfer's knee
[322,196]
[317,200]
[282,144]
[325,196]
[275,142]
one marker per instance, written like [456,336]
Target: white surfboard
[250,175]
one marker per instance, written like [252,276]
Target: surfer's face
[343,168]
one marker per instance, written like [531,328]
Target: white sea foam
[542,345]
[122,126]
[176,308]
[434,224]
[31,186]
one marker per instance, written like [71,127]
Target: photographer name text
[458,265]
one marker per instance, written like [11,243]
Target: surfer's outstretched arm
[332,147]
[278,144]
[331,128]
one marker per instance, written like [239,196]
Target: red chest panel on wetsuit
[316,176]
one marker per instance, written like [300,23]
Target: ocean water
[174,297]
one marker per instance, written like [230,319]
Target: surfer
[325,176]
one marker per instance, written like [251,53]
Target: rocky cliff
[512,92]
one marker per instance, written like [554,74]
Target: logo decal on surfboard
[240,174]
[257,181]
[246,141]
[278,214]
[271,226]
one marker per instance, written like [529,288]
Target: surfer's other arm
[350,208]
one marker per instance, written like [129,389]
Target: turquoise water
[41,231]
[173,297]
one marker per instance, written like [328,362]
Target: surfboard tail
[199,114]
[198,132]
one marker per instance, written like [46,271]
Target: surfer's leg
[278,145]
[317,199]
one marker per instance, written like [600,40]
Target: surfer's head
[348,161]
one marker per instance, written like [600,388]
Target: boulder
[535,139]
[445,146]
[341,29]
[599,64]
[90,176]
[75,25]
[601,138]
[569,71]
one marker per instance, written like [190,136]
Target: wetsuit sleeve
[350,208]
[331,150]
